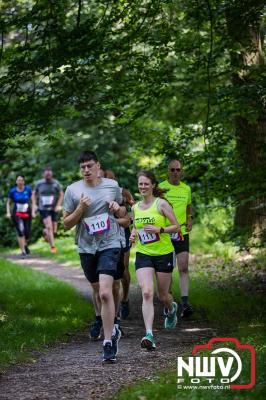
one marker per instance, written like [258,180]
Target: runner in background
[20,196]
[48,197]
[154,252]
[128,202]
[179,196]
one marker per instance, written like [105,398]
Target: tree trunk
[243,23]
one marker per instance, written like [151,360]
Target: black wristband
[162,230]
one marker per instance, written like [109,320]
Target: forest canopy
[140,83]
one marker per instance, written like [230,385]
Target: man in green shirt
[179,196]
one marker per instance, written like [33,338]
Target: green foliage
[155,79]
[35,310]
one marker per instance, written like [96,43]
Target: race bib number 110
[98,224]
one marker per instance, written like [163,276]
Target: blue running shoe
[95,330]
[108,353]
[124,309]
[115,339]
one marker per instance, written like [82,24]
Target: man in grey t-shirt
[90,205]
[48,197]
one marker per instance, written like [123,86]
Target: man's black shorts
[162,263]
[181,245]
[49,213]
[106,262]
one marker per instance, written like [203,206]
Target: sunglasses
[175,169]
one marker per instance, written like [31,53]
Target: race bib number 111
[146,238]
[98,224]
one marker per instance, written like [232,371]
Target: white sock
[107,341]
[149,331]
[114,330]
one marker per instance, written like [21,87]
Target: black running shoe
[115,340]
[95,330]
[185,311]
[108,353]
[27,250]
[124,309]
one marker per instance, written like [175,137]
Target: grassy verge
[66,250]
[35,310]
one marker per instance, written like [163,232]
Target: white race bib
[176,237]
[97,224]
[47,200]
[22,207]
[146,238]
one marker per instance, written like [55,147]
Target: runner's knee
[147,294]
[105,295]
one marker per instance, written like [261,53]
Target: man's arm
[72,219]
[189,221]
[124,220]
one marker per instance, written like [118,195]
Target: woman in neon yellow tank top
[154,252]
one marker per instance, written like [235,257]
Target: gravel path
[73,370]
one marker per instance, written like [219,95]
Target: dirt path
[73,370]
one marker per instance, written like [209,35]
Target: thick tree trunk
[251,145]
[243,22]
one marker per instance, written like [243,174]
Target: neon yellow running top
[151,244]
[179,196]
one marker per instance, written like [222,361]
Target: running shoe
[165,311]
[124,309]
[27,250]
[170,320]
[108,353]
[184,310]
[95,330]
[115,340]
[53,250]
[23,254]
[147,342]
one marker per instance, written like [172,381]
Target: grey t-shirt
[47,193]
[107,190]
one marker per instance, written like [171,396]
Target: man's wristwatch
[161,230]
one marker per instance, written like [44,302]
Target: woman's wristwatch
[161,230]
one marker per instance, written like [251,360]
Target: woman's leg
[145,280]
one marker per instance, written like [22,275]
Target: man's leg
[108,305]
[116,294]
[48,226]
[126,277]
[124,308]
[182,263]
[95,329]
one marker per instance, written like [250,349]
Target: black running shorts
[181,245]
[102,262]
[162,263]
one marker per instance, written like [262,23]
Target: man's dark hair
[47,168]
[87,156]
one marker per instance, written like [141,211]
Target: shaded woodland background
[139,82]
